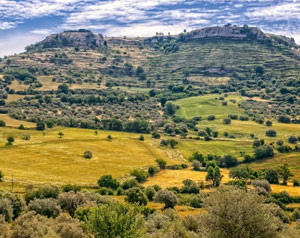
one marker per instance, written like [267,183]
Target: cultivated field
[46,158]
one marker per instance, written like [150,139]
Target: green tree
[284,173]
[1,176]
[60,134]
[161,163]
[136,195]
[170,108]
[40,126]
[115,220]
[63,88]
[140,175]
[108,181]
[10,140]
[167,197]
[214,175]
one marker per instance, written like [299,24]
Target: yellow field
[14,97]
[49,159]
[17,86]
[173,178]
[49,85]
[10,122]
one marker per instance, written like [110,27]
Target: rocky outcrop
[81,38]
[231,32]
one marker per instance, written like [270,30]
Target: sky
[25,22]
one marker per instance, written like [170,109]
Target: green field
[206,105]
[50,159]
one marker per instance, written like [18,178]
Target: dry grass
[209,80]
[49,159]
[14,97]
[15,85]
[173,178]
[10,122]
[290,189]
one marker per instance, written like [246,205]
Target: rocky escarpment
[232,32]
[80,38]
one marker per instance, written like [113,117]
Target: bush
[284,119]
[88,154]
[40,126]
[271,133]
[2,123]
[196,165]
[141,138]
[6,209]
[1,176]
[296,183]
[166,197]
[140,175]
[45,207]
[228,161]
[292,139]
[263,184]
[189,187]
[10,140]
[152,170]
[108,181]
[161,163]
[226,121]
[129,184]
[71,187]
[269,123]
[263,151]
[215,134]
[279,142]
[150,193]
[271,176]
[155,135]
[71,201]
[211,117]
[135,195]
[244,118]
[48,191]
[26,137]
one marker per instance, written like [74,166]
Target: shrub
[108,181]
[45,207]
[141,138]
[271,133]
[40,126]
[109,137]
[47,191]
[244,118]
[6,209]
[129,184]
[263,151]
[296,183]
[189,187]
[226,121]
[10,140]
[1,176]
[88,154]
[166,197]
[155,135]
[135,195]
[215,134]
[271,176]
[244,173]
[228,161]
[172,142]
[292,139]
[2,123]
[71,187]
[262,183]
[161,163]
[115,220]
[163,142]
[196,165]
[211,117]
[152,170]
[269,123]
[150,193]
[279,142]
[71,201]
[284,119]
[21,127]
[140,175]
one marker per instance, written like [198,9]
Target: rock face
[232,32]
[80,38]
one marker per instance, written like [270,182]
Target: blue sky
[26,22]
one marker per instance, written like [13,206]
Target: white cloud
[284,11]
[5,25]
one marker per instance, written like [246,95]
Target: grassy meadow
[46,158]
